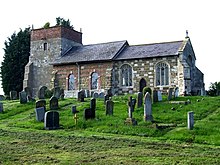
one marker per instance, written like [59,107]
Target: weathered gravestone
[28,91]
[147,108]
[2,97]
[51,120]
[176,92]
[159,94]
[23,97]
[1,107]
[130,120]
[13,95]
[155,96]
[87,93]
[41,92]
[131,104]
[109,92]
[101,95]
[170,92]
[41,103]
[56,92]
[74,111]
[54,103]
[40,113]
[140,99]
[62,94]
[93,104]
[81,96]
[190,117]
[95,95]
[106,97]
[109,107]
[89,113]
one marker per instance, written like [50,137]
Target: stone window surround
[155,68]
[120,85]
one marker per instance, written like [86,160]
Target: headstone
[62,94]
[101,95]
[170,92]
[41,103]
[40,112]
[54,103]
[95,95]
[159,94]
[109,92]
[139,99]
[155,96]
[23,97]
[56,92]
[28,91]
[74,111]
[2,97]
[81,96]
[51,120]
[130,120]
[131,104]
[147,108]
[93,104]
[176,92]
[29,98]
[190,120]
[87,93]
[1,107]
[13,95]
[41,92]
[106,97]
[88,114]
[109,107]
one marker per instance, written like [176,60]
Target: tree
[214,89]
[17,51]
[63,22]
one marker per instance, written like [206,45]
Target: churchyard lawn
[106,139]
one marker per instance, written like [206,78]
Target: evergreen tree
[63,22]
[17,51]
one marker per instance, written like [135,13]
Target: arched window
[94,80]
[162,74]
[71,82]
[126,75]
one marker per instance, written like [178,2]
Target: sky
[137,21]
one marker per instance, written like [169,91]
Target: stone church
[58,58]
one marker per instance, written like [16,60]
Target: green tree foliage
[17,51]
[63,22]
[214,89]
[147,89]
[47,25]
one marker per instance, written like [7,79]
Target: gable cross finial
[187,34]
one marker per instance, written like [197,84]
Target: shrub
[147,89]
[48,93]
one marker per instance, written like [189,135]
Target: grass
[107,140]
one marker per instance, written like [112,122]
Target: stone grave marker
[131,103]
[2,97]
[23,97]
[41,103]
[88,114]
[13,95]
[52,120]
[87,93]
[56,92]
[109,107]
[140,99]
[41,92]
[155,96]
[130,120]
[147,108]
[62,94]
[159,94]
[101,95]
[93,104]
[81,96]
[190,121]
[95,95]
[176,92]
[170,92]
[54,103]
[1,107]
[40,112]
[28,91]
[106,97]
[109,92]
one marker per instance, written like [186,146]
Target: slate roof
[119,50]
[89,53]
[151,50]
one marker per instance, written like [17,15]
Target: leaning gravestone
[170,94]
[109,107]
[159,94]
[41,92]
[13,95]
[56,92]
[54,103]
[23,97]
[41,103]
[1,107]
[155,96]
[51,120]
[190,120]
[81,96]
[139,99]
[147,108]
[40,112]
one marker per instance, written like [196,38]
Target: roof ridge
[157,43]
[106,43]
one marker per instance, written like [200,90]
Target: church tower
[46,46]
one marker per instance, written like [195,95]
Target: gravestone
[56,92]
[106,97]
[54,103]
[176,92]
[88,114]
[109,107]
[93,104]
[41,92]
[28,91]
[109,92]
[23,97]
[81,96]
[74,111]
[159,94]
[147,108]
[40,112]
[2,97]
[155,96]
[87,93]
[130,120]
[170,92]
[95,95]
[1,107]
[41,103]
[131,104]
[62,94]
[139,99]
[101,95]
[190,122]
[13,95]
[51,120]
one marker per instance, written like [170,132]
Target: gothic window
[126,75]
[94,80]
[162,74]
[71,82]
